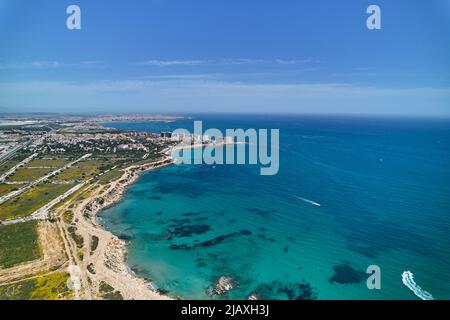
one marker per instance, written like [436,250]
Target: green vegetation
[90,268]
[87,192]
[94,243]
[151,158]
[32,200]
[48,162]
[79,241]
[108,293]
[83,170]
[29,174]
[7,188]
[18,243]
[49,287]
[73,196]
[110,176]
[67,216]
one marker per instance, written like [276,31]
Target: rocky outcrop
[223,285]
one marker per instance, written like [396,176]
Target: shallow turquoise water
[383,186]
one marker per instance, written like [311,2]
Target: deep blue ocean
[383,186]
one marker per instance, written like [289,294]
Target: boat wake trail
[308,201]
[408,280]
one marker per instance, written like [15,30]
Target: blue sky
[226,56]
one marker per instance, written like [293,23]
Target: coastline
[109,260]
[108,263]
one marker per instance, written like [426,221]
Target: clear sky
[310,56]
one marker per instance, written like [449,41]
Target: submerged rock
[223,285]
[254,296]
[260,212]
[125,237]
[285,290]
[200,262]
[189,230]
[345,274]
[212,242]
[188,214]
[180,247]
[264,237]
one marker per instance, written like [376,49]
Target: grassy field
[81,171]
[88,163]
[31,200]
[49,287]
[7,188]
[48,162]
[29,174]
[18,243]
[110,176]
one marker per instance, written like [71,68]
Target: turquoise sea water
[384,190]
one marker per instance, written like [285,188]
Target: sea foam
[308,201]
[408,280]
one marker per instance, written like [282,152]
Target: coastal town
[56,173]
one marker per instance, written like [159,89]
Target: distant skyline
[167,56]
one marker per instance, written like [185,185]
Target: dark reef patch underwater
[345,274]
[211,242]
[189,230]
[285,291]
